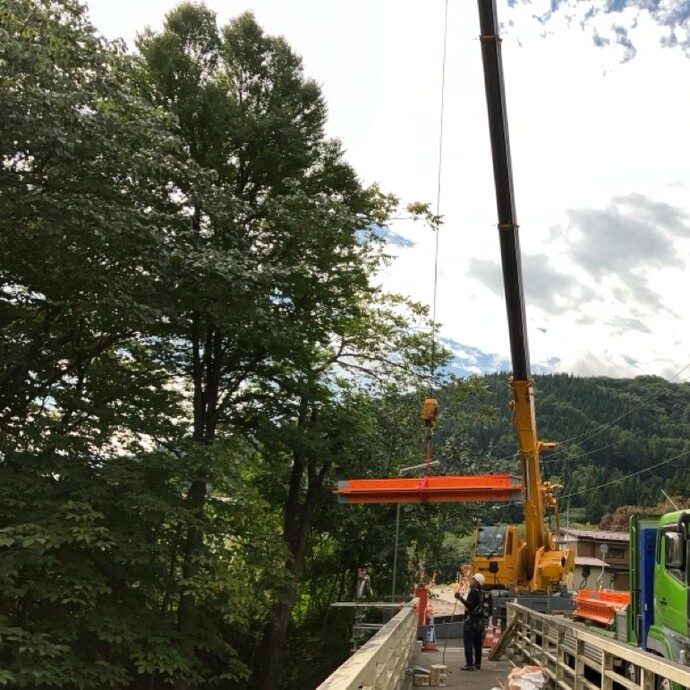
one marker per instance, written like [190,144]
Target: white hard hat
[479,578]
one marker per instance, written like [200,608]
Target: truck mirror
[674,550]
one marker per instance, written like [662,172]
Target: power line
[628,476]
[617,441]
[585,436]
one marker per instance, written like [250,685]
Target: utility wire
[438,190]
[585,436]
[637,432]
[628,476]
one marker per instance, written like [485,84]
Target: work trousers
[473,638]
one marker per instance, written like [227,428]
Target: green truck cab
[659,575]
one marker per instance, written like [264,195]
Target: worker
[475,623]
[363,589]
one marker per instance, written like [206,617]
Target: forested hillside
[620,441]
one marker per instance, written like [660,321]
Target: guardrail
[574,657]
[381,663]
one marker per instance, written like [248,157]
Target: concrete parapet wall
[381,663]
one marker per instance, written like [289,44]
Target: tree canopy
[193,344]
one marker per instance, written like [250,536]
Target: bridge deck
[492,675]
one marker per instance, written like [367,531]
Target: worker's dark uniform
[475,626]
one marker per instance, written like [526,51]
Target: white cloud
[599,151]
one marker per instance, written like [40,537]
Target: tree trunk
[299,516]
[206,370]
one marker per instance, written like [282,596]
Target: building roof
[597,563]
[598,535]
[589,560]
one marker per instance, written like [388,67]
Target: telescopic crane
[534,563]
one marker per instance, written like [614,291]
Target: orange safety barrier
[422,595]
[600,606]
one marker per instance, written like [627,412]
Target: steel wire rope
[436,251]
[439,172]
[429,422]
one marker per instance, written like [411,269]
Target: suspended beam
[436,489]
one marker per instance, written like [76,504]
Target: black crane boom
[503,180]
[538,563]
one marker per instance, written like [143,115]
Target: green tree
[279,328]
[80,210]
[93,522]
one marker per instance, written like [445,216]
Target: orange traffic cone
[498,631]
[492,635]
[488,637]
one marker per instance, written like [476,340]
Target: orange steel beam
[431,489]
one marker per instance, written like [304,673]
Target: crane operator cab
[490,541]
[496,552]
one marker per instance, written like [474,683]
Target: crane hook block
[429,412]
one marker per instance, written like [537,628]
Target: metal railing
[575,658]
[381,663]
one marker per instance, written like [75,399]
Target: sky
[598,100]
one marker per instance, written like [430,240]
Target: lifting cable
[430,405]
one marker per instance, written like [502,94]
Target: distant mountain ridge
[471,361]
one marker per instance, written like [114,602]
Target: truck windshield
[489,541]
